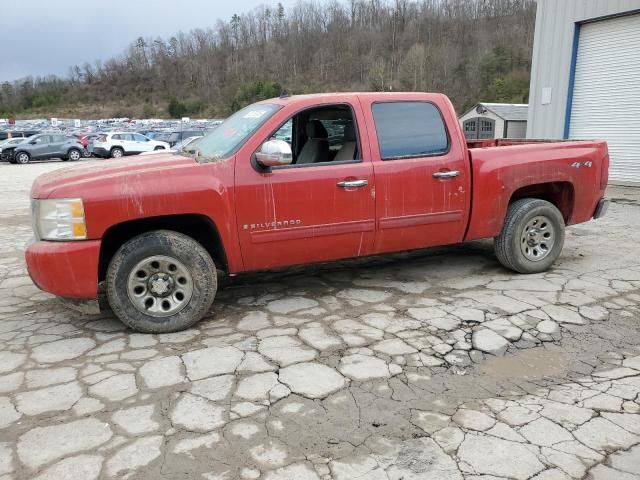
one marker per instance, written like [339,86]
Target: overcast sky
[40,37]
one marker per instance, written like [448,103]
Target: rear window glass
[409,129]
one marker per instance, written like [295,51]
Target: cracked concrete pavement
[431,365]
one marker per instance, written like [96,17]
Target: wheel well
[560,194]
[116,146]
[198,227]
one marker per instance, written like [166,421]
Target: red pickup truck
[298,180]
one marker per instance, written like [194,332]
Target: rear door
[421,171]
[305,212]
[129,145]
[59,145]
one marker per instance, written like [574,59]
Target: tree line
[472,50]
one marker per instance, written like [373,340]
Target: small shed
[495,120]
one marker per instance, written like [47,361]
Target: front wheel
[161,282]
[532,236]
[159,148]
[22,158]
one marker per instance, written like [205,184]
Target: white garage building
[585,79]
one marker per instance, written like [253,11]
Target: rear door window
[409,129]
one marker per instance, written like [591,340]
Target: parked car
[7,135]
[187,141]
[402,177]
[161,136]
[84,139]
[119,144]
[10,142]
[177,147]
[43,147]
[177,137]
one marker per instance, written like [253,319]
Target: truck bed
[570,174]
[507,142]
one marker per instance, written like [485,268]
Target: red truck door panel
[311,212]
[421,172]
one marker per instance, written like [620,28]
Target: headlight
[59,219]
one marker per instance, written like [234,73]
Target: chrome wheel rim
[159,286]
[538,238]
[117,154]
[74,155]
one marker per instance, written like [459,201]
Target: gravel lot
[434,365]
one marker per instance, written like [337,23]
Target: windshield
[231,134]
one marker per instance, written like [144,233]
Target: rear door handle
[449,174]
[353,183]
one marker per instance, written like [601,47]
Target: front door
[141,143]
[321,207]
[422,180]
[42,146]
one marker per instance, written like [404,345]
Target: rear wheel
[160,282]
[22,158]
[117,152]
[532,236]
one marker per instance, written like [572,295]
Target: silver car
[11,142]
[43,147]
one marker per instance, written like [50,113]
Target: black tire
[177,247]
[159,148]
[117,152]
[74,154]
[511,247]
[22,158]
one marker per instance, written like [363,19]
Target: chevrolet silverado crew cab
[298,180]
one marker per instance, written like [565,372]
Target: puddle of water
[527,364]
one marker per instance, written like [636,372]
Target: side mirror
[274,153]
[33,142]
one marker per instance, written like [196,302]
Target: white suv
[118,144]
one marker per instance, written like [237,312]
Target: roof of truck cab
[344,95]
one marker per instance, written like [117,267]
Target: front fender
[199,189]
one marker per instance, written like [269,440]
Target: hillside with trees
[471,50]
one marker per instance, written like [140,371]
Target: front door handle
[353,183]
[448,174]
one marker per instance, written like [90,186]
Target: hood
[84,176]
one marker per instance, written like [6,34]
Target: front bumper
[66,269]
[601,208]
